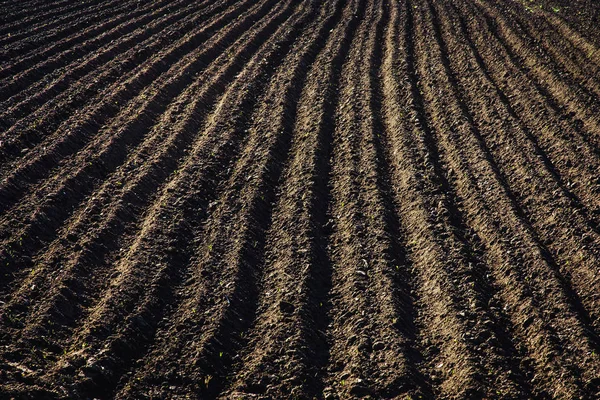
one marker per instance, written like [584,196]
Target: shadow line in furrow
[211,92]
[487,290]
[14,7]
[469,293]
[564,281]
[14,75]
[539,151]
[243,299]
[586,47]
[21,60]
[542,42]
[552,101]
[42,11]
[143,186]
[319,281]
[72,77]
[133,347]
[49,24]
[370,349]
[115,152]
[342,312]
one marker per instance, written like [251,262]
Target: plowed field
[300,199]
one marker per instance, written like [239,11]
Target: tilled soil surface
[300,199]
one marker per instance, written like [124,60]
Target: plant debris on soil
[276,199]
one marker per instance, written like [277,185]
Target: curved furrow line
[26,8]
[542,277]
[519,100]
[18,5]
[43,13]
[581,52]
[169,190]
[581,228]
[15,4]
[571,239]
[22,60]
[383,59]
[548,125]
[97,71]
[141,304]
[546,76]
[573,138]
[41,67]
[580,72]
[32,37]
[53,200]
[145,171]
[12,7]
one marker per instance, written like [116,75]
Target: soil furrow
[367,354]
[142,86]
[401,277]
[520,100]
[546,77]
[231,263]
[573,71]
[586,47]
[44,124]
[426,212]
[71,45]
[311,149]
[583,58]
[565,232]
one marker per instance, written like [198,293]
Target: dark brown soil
[300,199]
